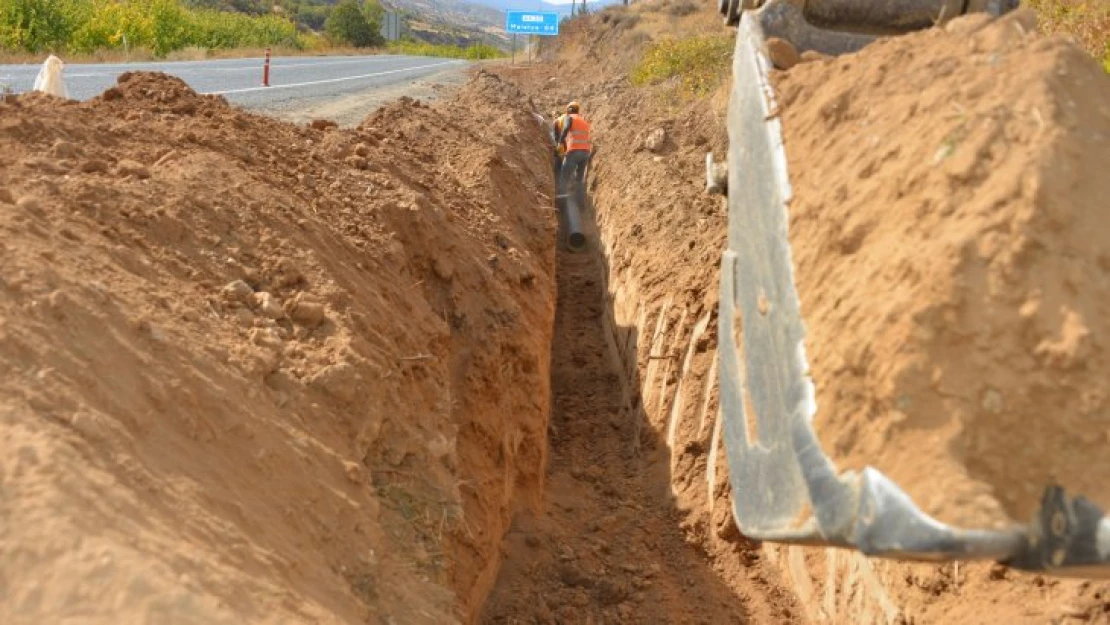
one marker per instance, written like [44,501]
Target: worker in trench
[575,143]
[558,151]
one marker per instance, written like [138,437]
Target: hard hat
[573,107]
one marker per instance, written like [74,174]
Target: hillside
[461,22]
[562,7]
[452,22]
[433,21]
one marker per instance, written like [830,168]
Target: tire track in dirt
[609,548]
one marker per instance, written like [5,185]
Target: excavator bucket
[786,488]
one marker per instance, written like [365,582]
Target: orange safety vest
[578,138]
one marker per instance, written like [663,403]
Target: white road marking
[331,80]
[257,67]
[274,65]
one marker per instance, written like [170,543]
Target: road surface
[343,88]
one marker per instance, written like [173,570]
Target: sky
[594,3]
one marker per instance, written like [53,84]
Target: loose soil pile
[951,237]
[254,372]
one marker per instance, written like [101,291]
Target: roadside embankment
[260,373]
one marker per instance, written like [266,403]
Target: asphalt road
[296,83]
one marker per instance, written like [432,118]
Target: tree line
[164,26]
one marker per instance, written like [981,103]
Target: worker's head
[573,107]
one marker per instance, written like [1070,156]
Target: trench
[608,546]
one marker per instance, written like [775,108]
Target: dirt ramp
[255,372]
[950,231]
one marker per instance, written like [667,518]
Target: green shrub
[349,23]
[37,25]
[111,25]
[163,26]
[701,62]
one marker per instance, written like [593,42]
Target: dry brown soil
[1041,139]
[628,534]
[252,372]
[951,209]
[609,547]
[257,372]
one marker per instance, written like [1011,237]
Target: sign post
[266,70]
[542,23]
[391,26]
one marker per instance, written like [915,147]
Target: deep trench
[608,546]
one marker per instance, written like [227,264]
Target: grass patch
[1086,20]
[701,63]
[477,52]
[426,519]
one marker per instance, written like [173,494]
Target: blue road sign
[532,22]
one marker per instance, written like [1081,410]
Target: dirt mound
[255,372]
[160,93]
[950,211]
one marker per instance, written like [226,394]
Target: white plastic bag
[49,79]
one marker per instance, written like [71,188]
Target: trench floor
[608,547]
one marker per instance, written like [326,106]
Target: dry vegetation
[1086,20]
[697,64]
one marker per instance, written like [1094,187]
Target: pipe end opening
[576,241]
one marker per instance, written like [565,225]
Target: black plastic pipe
[571,208]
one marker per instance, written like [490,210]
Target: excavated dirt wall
[252,372]
[629,533]
[661,238]
[950,208]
